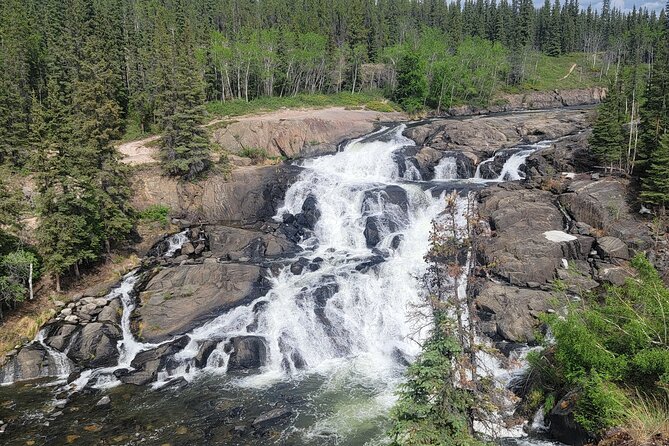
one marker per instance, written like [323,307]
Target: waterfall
[447,169]
[350,324]
[511,169]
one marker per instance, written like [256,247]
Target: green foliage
[607,140]
[254,153]
[158,213]
[654,185]
[15,270]
[611,351]
[431,410]
[411,90]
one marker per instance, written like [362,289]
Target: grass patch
[548,73]
[157,213]
[18,331]
[239,107]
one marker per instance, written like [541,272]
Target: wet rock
[177,383]
[272,417]
[204,351]
[95,345]
[372,262]
[181,298]
[514,310]
[32,361]
[372,232]
[248,352]
[299,266]
[563,426]
[104,401]
[388,197]
[228,242]
[59,335]
[310,213]
[148,363]
[612,248]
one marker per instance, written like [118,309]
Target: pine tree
[185,146]
[607,141]
[654,113]
[655,184]
[411,88]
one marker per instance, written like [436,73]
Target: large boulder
[148,363]
[603,205]
[248,352]
[486,135]
[95,345]
[295,133]
[233,243]
[515,311]
[523,248]
[181,298]
[246,195]
[32,361]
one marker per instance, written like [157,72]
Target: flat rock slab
[528,243]
[181,298]
[233,243]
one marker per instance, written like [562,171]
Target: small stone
[59,303]
[187,249]
[72,319]
[595,176]
[100,301]
[66,312]
[533,284]
[104,401]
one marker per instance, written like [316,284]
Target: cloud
[625,5]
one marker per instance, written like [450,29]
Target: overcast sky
[627,5]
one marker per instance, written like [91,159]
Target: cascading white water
[176,242]
[511,168]
[321,320]
[62,364]
[447,169]
[353,326]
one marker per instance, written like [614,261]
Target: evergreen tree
[184,145]
[607,140]
[655,184]
[411,89]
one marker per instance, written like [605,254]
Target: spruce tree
[655,184]
[607,140]
[185,150]
[411,89]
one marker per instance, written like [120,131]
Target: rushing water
[338,338]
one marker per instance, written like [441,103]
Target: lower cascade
[327,345]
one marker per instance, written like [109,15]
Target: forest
[79,75]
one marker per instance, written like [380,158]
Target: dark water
[212,410]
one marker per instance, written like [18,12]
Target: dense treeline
[75,75]
[631,133]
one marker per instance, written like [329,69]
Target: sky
[626,5]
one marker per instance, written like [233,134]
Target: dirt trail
[144,152]
[140,151]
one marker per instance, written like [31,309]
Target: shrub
[379,106]
[256,154]
[158,213]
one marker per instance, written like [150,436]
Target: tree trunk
[57,278]
[30,281]
[77,273]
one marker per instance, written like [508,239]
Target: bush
[378,106]
[254,153]
[612,350]
[158,213]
